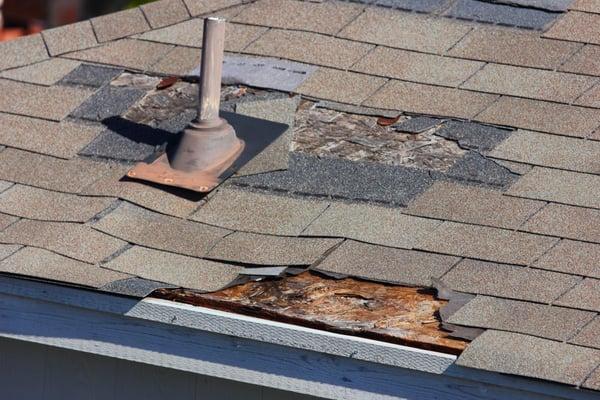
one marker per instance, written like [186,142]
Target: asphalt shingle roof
[513,219]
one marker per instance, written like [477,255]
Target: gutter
[247,349]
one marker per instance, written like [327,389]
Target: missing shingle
[328,133]
[397,314]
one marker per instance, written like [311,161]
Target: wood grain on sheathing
[397,314]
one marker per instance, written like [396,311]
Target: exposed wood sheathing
[403,315]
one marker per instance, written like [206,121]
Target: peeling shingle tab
[33,203]
[556,323]
[455,202]
[67,38]
[398,266]
[44,264]
[509,281]
[251,248]
[22,51]
[118,25]
[174,269]
[487,243]
[586,295]
[138,225]
[559,186]
[72,240]
[513,353]
[261,213]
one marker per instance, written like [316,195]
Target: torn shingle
[343,179]
[474,167]
[487,243]
[110,101]
[175,269]
[72,240]
[44,264]
[372,224]
[472,204]
[517,354]
[94,76]
[586,295]
[134,287]
[501,14]
[138,225]
[32,203]
[509,281]
[260,213]
[43,73]
[556,323]
[250,248]
[48,172]
[59,139]
[474,136]
[386,264]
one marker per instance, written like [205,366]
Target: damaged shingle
[91,75]
[338,178]
[110,101]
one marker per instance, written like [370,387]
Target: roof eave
[236,347]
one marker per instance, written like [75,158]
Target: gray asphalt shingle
[556,323]
[380,263]
[513,353]
[261,213]
[509,281]
[138,225]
